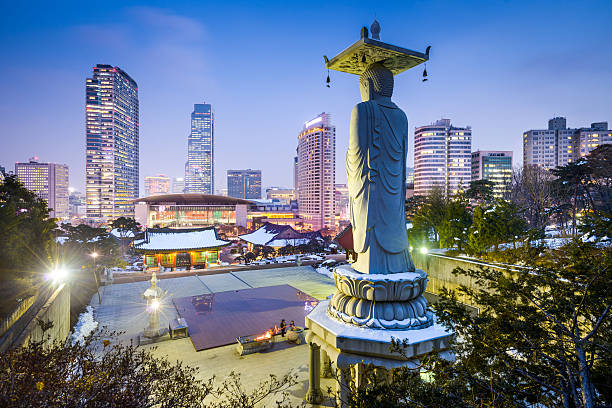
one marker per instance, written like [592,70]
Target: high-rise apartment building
[559,145]
[494,166]
[49,181]
[244,184]
[178,185]
[200,172]
[590,138]
[316,172]
[159,184]
[112,144]
[442,157]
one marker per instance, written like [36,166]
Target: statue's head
[376,80]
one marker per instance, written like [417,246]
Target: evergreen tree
[26,232]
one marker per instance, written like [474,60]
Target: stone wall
[51,305]
[19,311]
[440,270]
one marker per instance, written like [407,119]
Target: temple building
[279,236]
[185,248]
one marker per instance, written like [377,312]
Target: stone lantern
[153,296]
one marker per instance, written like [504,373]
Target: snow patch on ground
[325,270]
[85,326]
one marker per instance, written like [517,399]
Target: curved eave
[169,251]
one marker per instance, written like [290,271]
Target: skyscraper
[112,143]
[316,154]
[244,184]
[494,166]
[49,181]
[199,173]
[559,145]
[442,157]
[159,184]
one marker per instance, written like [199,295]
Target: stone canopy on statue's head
[356,58]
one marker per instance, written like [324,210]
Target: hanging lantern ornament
[425,70]
[328,80]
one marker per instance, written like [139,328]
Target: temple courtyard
[124,310]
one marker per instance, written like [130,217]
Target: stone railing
[51,307]
[16,314]
[440,269]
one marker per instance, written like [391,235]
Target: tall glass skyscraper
[199,172]
[244,184]
[112,143]
[494,166]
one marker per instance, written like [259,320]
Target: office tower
[244,184]
[76,204]
[559,145]
[199,173]
[442,157]
[112,144]
[49,181]
[178,185]
[317,172]
[342,201]
[494,166]
[409,176]
[159,184]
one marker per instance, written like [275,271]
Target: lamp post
[94,255]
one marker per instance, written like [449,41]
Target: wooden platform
[216,319]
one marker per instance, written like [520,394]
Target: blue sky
[500,66]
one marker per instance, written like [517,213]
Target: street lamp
[58,274]
[94,255]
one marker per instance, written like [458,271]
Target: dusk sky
[501,67]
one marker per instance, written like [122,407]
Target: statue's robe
[376,170]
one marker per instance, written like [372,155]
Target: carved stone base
[393,301]
[381,315]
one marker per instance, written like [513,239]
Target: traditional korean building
[279,236]
[180,248]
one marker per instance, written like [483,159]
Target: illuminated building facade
[494,166]
[284,195]
[316,172]
[50,182]
[342,201]
[244,184]
[181,211]
[112,144]
[591,138]
[442,158]
[559,145]
[199,171]
[159,184]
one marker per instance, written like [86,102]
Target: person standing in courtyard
[283,327]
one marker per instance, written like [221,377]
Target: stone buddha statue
[376,171]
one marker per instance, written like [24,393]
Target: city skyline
[151,39]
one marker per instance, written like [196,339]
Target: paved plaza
[123,310]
